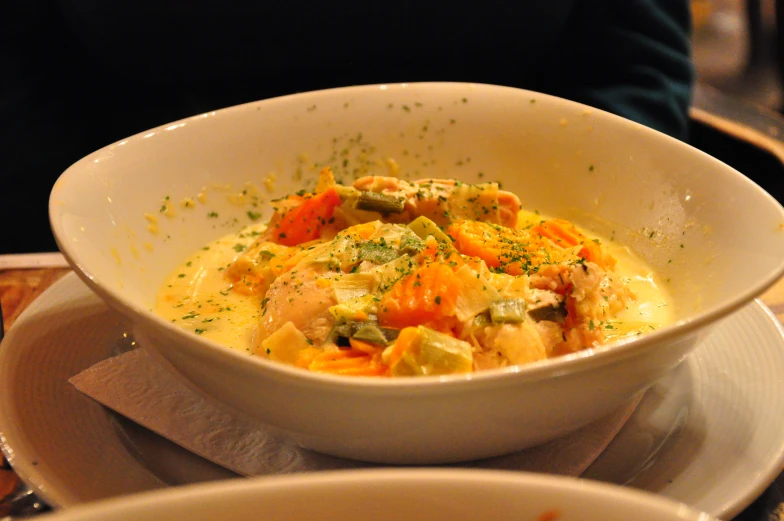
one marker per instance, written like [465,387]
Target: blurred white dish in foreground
[391,495]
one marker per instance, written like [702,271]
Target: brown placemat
[18,288]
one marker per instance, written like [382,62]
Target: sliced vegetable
[475,294]
[284,345]
[515,252]
[366,347]
[339,254]
[443,252]
[551,313]
[378,202]
[350,361]
[482,320]
[423,351]
[422,226]
[377,252]
[339,335]
[304,222]
[411,244]
[491,243]
[375,334]
[356,309]
[353,285]
[306,356]
[510,310]
[388,274]
[367,331]
[425,296]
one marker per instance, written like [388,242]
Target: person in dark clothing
[81,74]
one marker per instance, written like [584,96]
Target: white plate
[711,434]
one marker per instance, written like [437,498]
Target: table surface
[19,287]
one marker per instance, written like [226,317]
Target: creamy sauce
[651,309]
[198,297]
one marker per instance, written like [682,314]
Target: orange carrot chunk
[518,251]
[304,222]
[365,347]
[509,250]
[425,296]
[403,343]
[351,362]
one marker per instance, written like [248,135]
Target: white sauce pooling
[197,296]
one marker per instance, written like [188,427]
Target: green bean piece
[550,313]
[371,334]
[376,202]
[339,335]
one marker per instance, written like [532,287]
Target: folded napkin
[137,386]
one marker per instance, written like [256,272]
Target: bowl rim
[605,354]
[584,490]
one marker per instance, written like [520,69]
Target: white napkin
[135,385]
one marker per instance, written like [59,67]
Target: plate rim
[754,490]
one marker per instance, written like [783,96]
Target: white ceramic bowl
[391,495]
[716,236]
